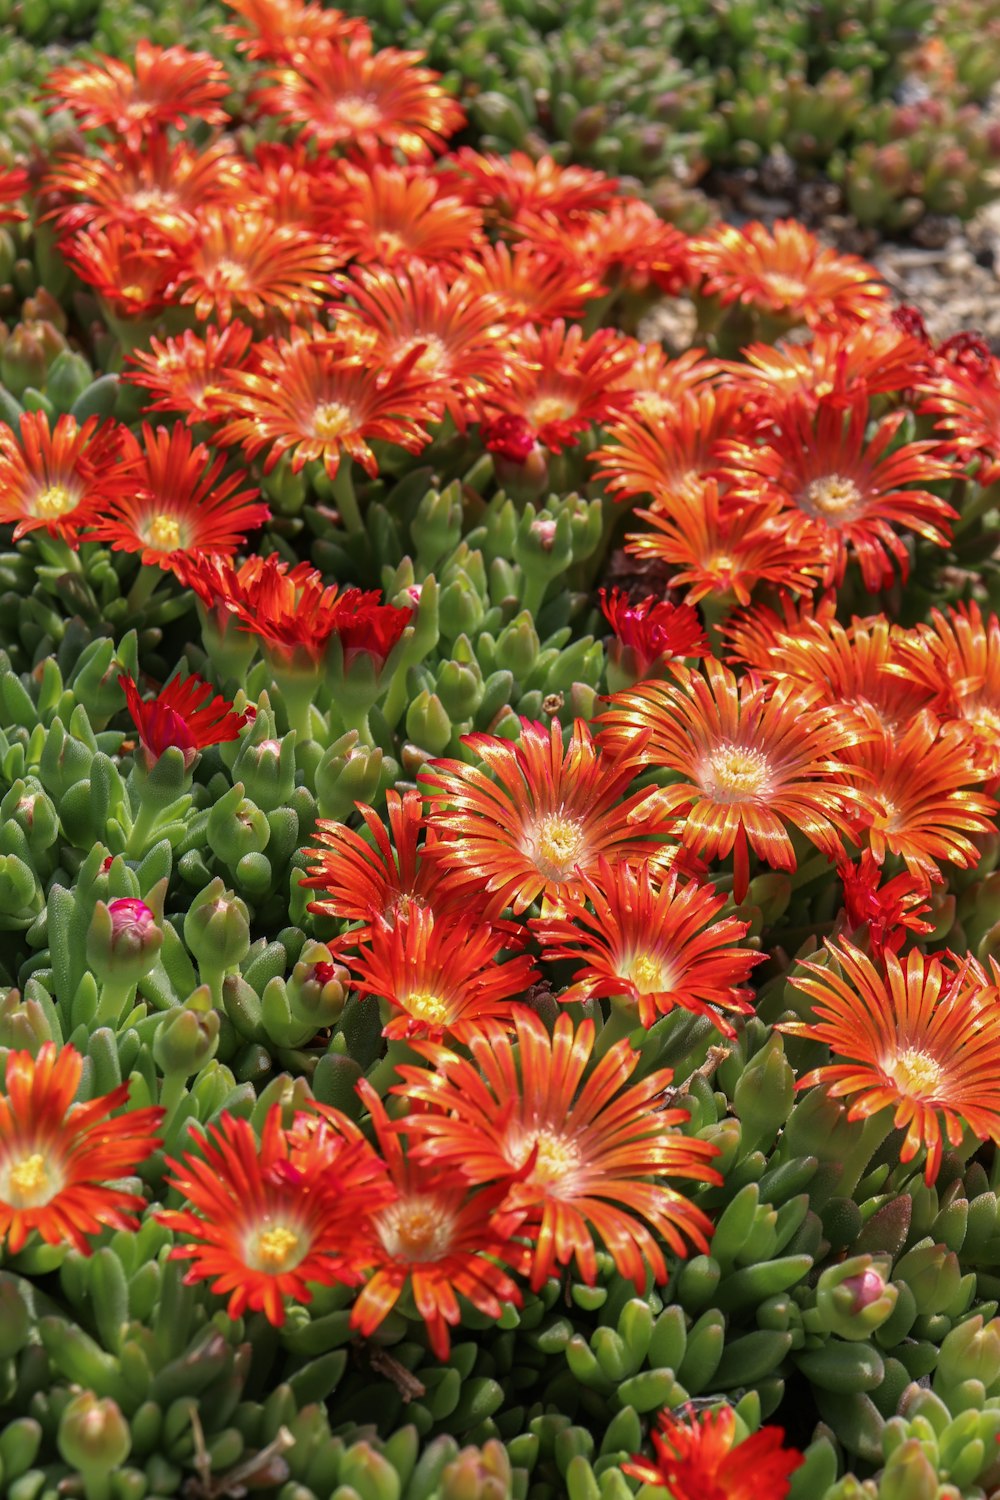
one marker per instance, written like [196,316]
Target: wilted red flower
[546,818]
[576,1149]
[59,1160]
[179,502]
[696,1458]
[785,271]
[650,633]
[62,479]
[342,93]
[187,713]
[924,1039]
[169,86]
[886,912]
[654,944]
[188,374]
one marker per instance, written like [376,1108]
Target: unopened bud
[123,940]
[93,1435]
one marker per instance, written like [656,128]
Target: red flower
[886,912]
[153,187]
[58,1159]
[577,1150]
[651,633]
[283,30]
[697,1459]
[508,437]
[14,184]
[132,270]
[240,262]
[62,479]
[185,714]
[531,286]
[189,374]
[507,186]
[170,86]
[399,217]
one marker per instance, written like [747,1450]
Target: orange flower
[656,945]
[456,332]
[154,186]
[169,86]
[576,1149]
[924,1042]
[189,374]
[342,93]
[959,661]
[243,262]
[505,187]
[436,1236]
[754,631]
[282,30]
[317,397]
[376,879]
[670,455]
[532,286]
[966,395]
[288,185]
[819,464]
[179,502]
[266,1221]
[133,271]
[785,271]
[838,364]
[398,216]
[14,184]
[58,1159]
[916,801]
[697,1459]
[749,761]
[62,479]
[628,245]
[546,818]
[658,383]
[726,548]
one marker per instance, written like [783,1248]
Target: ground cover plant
[499,872]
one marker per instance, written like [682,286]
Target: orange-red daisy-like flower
[189,374]
[628,245]
[916,794]
[58,1160]
[169,86]
[441,974]
[786,272]
[650,634]
[696,1458]
[505,187]
[281,30]
[179,502]
[456,331]
[658,383]
[924,1042]
[561,383]
[723,547]
[670,455]
[342,93]
[132,271]
[288,185]
[438,1237]
[242,263]
[153,187]
[749,761]
[886,912]
[959,661]
[267,1220]
[317,397]
[656,945]
[377,878]
[187,714]
[60,479]
[839,365]
[399,216]
[14,184]
[546,817]
[532,286]
[820,465]
[578,1150]
[965,394]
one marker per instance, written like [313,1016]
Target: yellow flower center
[54,501]
[231,274]
[164,533]
[653,406]
[556,1162]
[433,359]
[983,717]
[733,774]
[556,845]
[360,114]
[788,288]
[648,973]
[832,498]
[28,1183]
[416,1229]
[331,420]
[275,1248]
[426,1007]
[550,409]
[915,1074]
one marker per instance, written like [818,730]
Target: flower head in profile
[654,944]
[923,1040]
[62,478]
[168,86]
[187,714]
[583,1154]
[60,1161]
[749,762]
[649,634]
[264,1221]
[538,815]
[179,501]
[696,1457]
[957,659]
[132,271]
[281,30]
[786,272]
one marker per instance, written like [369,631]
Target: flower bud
[854,1298]
[478,1474]
[459,688]
[27,354]
[266,767]
[24,1025]
[237,827]
[518,646]
[123,940]
[970,1352]
[217,928]
[318,987]
[764,1094]
[427,722]
[347,773]
[188,1035]
[909,1474]
[68,377]
[93,1435]
[436,528]
[32,809]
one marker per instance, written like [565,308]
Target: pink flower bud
[866,1288]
